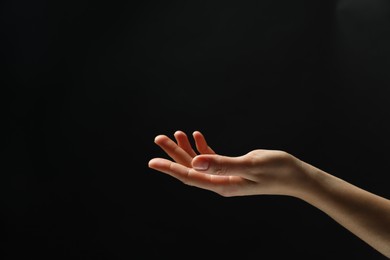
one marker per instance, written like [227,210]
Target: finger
[201,144]
[184,143]
[219,184]
[223,166]
[173,150]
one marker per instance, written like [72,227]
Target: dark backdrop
[87,85]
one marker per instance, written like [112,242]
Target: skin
[273,172]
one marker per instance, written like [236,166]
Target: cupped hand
[257,172]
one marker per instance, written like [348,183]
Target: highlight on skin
[273,172]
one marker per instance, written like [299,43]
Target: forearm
[276,172]
[364,214]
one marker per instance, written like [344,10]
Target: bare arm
[277,173]
[365,214]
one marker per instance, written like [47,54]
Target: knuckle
[220,168]
[220,171]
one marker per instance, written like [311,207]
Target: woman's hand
[257,172]
[276,172]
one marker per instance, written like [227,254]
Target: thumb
[219,165]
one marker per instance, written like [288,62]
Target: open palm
[181,168]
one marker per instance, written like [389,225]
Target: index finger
[173,150]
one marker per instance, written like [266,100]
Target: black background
[87,85]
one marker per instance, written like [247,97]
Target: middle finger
[184,143]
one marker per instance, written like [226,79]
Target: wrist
[311,182]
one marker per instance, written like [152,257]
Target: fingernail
[200,165]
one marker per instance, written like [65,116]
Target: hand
[279,173]
[257,172]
